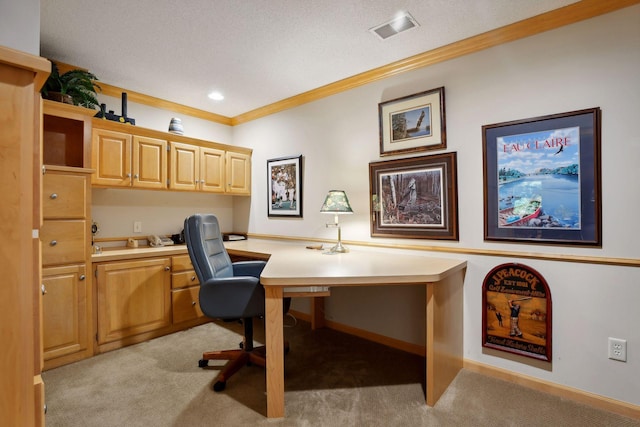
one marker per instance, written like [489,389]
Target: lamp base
[338,249]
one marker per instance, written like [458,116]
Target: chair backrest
[206,249]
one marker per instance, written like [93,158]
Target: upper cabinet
[195,168]
[238,173]
[126,160]
[130,156]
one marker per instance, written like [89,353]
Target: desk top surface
[292,264]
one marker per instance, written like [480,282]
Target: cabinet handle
[167,268]
[53,196]
[202,181]
[82,277]
[128,175]
[53,243]
[193,303]
[135,176]
[193,278]
[43,289]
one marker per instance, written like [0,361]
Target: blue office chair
[228,291]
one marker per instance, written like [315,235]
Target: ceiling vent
[397,25]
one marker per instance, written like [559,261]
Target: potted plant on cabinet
[75,87]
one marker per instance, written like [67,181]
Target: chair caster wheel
[219,386]
[202,363]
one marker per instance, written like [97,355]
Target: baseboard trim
[580,396]
[584,397]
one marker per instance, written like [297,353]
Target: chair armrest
[248,268]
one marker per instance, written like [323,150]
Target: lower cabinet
[140,299]
[65,315]
[133,298]
[185,290]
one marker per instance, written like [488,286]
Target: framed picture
[542,179]
[415,197]
[516,311]
[285,187]
[413,123]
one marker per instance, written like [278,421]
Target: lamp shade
[336,202]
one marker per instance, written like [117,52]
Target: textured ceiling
[256,52]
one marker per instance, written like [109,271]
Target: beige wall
[20,25]
[594,63]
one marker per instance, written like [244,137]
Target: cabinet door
[111,158]
[64,311]
[184,166]
[133,297]
[238,173]
[149,162]
[63,196]
[211,170]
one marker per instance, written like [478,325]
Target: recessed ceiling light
[216,96]
[402,22]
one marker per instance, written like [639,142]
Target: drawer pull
[193,278]
[53,196]
[167,268]
[53,243]
[82,277]
[193,303]
[43,289]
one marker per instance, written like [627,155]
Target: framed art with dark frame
[415,198]
[285,187]
[542,179]
[413,123]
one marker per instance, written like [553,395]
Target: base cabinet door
[133,297]
[64,311]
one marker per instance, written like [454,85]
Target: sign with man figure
[519,295]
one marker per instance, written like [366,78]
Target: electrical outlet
[617,349]
[137,227]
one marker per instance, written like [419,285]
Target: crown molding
[551,20]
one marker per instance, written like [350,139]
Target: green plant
[78,84]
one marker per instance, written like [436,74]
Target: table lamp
[336,203]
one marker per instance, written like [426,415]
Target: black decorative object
[110,115]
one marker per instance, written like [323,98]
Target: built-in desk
[292,265]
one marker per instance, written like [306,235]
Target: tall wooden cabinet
[21,387]
[66,282]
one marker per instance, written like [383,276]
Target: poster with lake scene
[539,179]
[542,180]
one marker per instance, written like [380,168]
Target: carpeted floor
[332,379]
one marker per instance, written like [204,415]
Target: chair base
[236,360]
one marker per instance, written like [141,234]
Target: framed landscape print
[542,179]
[415,197]
[285,187]
[413,123]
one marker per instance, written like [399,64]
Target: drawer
[63,242]
[181,263]
[184,279]
[185,305]
[64,196]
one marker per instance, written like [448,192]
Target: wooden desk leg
[317,313]
[274,337]
[444,334]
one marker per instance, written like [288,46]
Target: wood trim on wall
[621,262]
[551,20]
